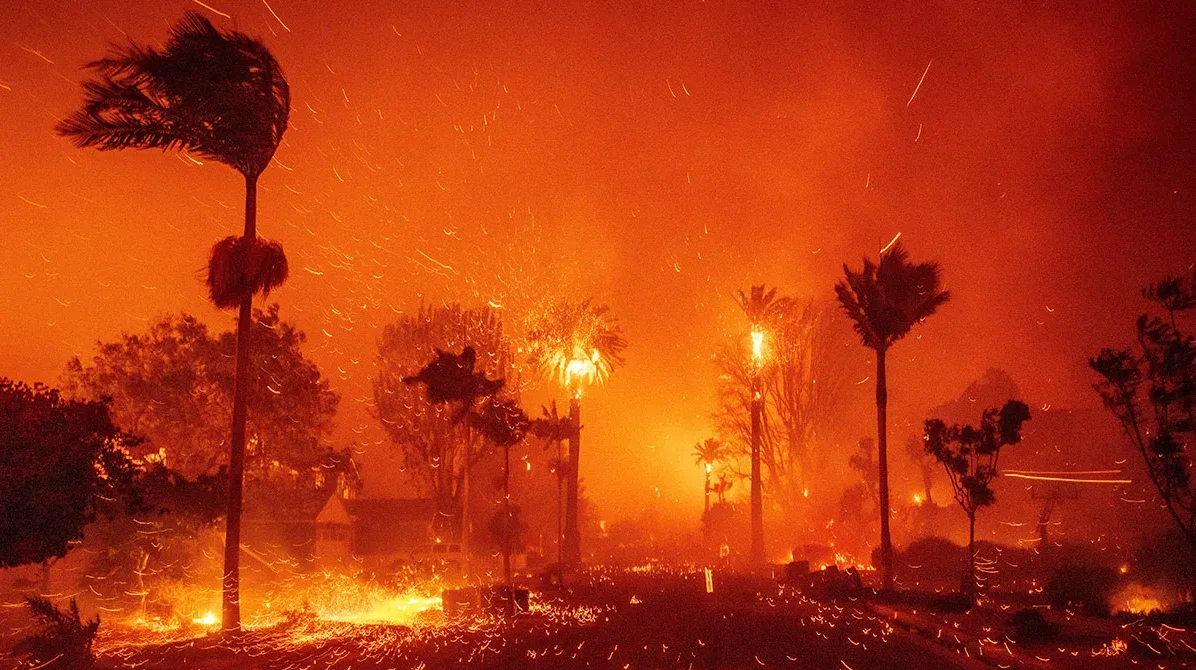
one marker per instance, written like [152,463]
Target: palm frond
[219,95]
[581,334]
[885,301]
[240,266]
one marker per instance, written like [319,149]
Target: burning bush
[1165,565]
[1138,599]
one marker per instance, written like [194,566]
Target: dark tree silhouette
[222,96]
[969,455]
[62,463]
[574,343]
[555,430]
[884,302]
[1153,394]
[504,424]
[173,385]
[450,378]
[437,448]
[721,487]
[64,640]
[764,311]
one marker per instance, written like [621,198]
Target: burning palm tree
[884,302]
[708,453]
[221,96]
[763,309]
[575,344]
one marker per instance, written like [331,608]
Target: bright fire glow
[757,344]
[403,610]
[917,499]
[582,369]
[1138,599]
[208,619]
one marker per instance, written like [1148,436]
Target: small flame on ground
[208,619]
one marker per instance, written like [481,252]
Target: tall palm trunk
[506,529]
[231,619]
[882,457]
[971,586]
[572,539]
[706,495]
[466,526]
[560,536]
[757,553]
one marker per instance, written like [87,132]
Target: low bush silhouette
[64,642]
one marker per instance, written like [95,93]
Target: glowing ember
[404,610]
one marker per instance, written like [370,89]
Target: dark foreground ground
[615,619]
[637,618]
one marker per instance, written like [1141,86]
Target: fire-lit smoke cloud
[657,156]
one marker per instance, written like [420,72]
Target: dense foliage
[173,384]
[1152,391]
[62,463]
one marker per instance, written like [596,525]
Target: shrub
[1028,625]
[1088,589]
[64,643]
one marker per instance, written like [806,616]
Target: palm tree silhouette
[555,429]
[720,489]
[884,302]
[763,309]
[504,424]
[708,453]
[222,96]
[574,343]
[451,378]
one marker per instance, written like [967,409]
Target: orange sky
[655,155]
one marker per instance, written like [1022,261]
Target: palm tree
[574,343]
[763,309]
[504,424]
[555,429]
[221,96]
[720,489]
[450,378]
[707,453]
[884,302]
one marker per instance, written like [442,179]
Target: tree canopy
[62,463]
[1152,393]
[173,384]
[429,436]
